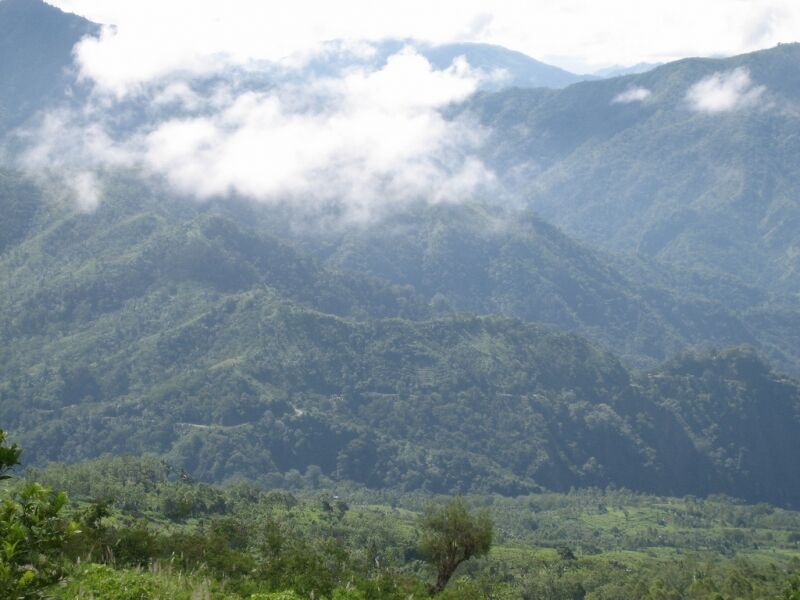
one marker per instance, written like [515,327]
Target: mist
[360,136]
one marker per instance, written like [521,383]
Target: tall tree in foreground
[452,535]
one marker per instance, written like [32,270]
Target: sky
[367,138]
[580,35]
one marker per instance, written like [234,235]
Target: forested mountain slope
[173,329]
[427,349]
[693,162]
[510,262]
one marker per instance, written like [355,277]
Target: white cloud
[632,94]
[64,149]
[370,136]
[178,95]
[86,189]
[723,92]
[366,139]
[765,24]
[156,37]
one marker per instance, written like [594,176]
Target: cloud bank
[724,92]
[632,94]
[362,139]
[367,138]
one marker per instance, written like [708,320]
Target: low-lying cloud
[364,138]
[632,94]
[724,92]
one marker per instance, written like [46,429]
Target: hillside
[446,347]
[696,184]
[175,329]
[489,261]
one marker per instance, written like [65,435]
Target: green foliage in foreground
[32,533]
[95,581]
[172,538]
[242,542]
[451,536]
[9,456]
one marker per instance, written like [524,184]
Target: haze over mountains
[698,169]
[561,283]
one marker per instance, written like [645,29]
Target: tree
[452,535]
[792,591]
[32,534]
[9,456]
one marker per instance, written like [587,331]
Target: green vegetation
[179,330]
[32,533]
[451,536]
[9,456]
[164,536]
[699,191]
[246,405]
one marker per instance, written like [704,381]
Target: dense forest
[185,332]
[132,528]
[580,383]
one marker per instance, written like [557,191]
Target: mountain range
[620,315]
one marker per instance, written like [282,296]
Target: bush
[32,535]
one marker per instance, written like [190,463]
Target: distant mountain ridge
[36,41]
[520,70]
[695,187]
[620,71]
[501,67]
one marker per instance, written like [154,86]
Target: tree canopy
[451,534]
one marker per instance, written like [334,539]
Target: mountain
[619,70]
[515,68]
[36,42]
[178,329]
[664,172]
[447,348]
[502,68]
[491,260]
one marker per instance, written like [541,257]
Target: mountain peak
[521,70]
[10,9]
[36,42]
